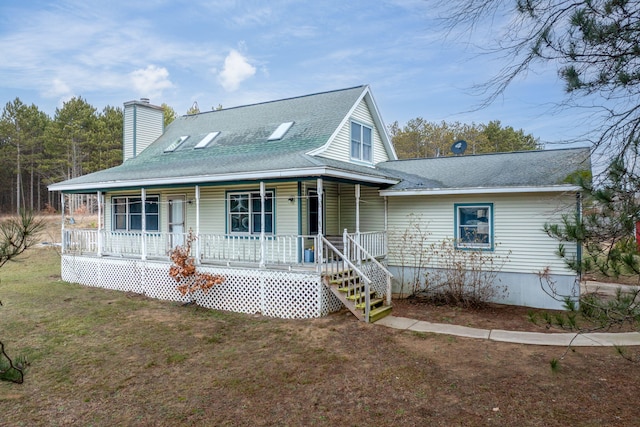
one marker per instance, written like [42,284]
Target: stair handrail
[368,256]
[367,281]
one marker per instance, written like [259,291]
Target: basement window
[207,139]
[175,144]
[280,131]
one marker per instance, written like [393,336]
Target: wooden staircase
[349,289]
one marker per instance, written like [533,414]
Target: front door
[313,212]
[176,220]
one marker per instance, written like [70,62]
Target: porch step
[374,303]
[378,313]
[348,289]
[359,295]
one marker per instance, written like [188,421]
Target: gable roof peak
[291,98]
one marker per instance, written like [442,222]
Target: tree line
[419,138]
[37,150]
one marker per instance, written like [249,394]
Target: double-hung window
[244,211]
[474,225]
[127,213]
[361,142]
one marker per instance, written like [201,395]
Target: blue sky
[240,52]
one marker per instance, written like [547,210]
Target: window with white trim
[361,142]
[474,225]
[127,213]
[244,211]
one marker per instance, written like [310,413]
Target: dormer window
[175,144]
[280,131]
[361,142]
[207,139]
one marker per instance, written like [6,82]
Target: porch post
[320,192]
[62,244]
[198,254]
[143,196]
[359,255]
[385,246]
[262,223]
[99,198]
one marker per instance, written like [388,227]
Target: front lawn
[100,357]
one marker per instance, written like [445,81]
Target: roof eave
[482,190]
[243,176]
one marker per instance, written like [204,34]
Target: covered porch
[257,261]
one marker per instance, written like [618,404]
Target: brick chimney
[143,124]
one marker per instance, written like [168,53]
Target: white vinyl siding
[340,148]
[142,125]
[518,226]
[371,208]
[212,207]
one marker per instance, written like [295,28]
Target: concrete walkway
[595,339]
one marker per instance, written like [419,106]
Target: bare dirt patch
[491,316]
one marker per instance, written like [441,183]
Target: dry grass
[101,357]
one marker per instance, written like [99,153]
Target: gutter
[244,176]
[480,190]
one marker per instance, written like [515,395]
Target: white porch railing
[338,263]
[278,249]
[379,275]
[373,242]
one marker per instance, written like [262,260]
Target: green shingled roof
[242,145]
[543,168]
[242,150]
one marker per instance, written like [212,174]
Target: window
[280,131]
[127,213]
[474,225]
[204,142]
[361,142]
[245,210]
[175,144]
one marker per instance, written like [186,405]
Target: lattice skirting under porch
[274,293]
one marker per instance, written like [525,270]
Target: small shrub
[184,271]
[465,278]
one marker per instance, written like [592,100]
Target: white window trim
[459,244]
[362,126]
[127,213]
[250,212]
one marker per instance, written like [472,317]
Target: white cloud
[151,81]
[57,88]
[236,70]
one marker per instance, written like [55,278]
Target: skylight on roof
[280,131]
[175,144]
[207,139]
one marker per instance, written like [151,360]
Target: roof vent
[145,100]
[280,131]
[175,144]
[207,139]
